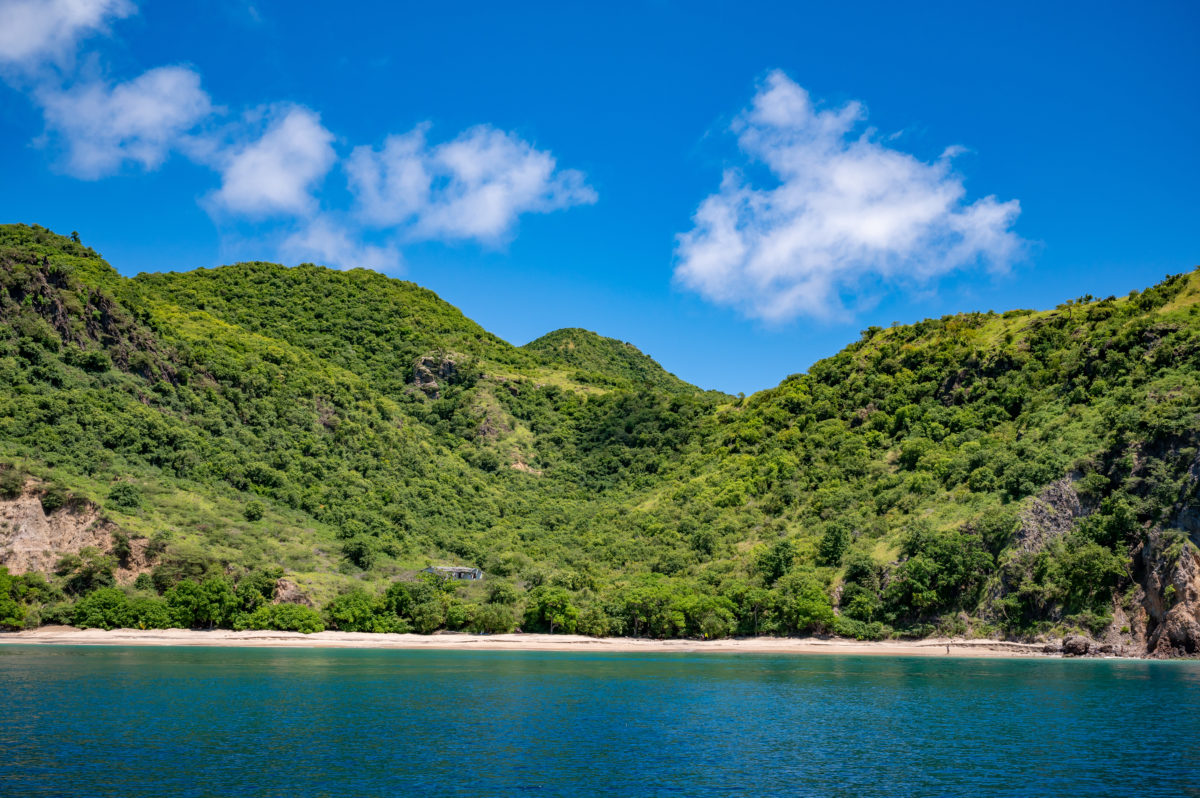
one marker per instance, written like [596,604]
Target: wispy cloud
[36,32]
[101,127]
[841,210]
[472,187]
[323,240]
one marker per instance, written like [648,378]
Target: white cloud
[35,31]
[327,243]
[272,162]
[277,173]
[474,187]
[842,210]
[140,121]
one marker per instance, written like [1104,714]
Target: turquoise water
[231,722]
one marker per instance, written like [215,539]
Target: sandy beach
[932,647]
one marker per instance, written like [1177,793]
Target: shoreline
[461,641]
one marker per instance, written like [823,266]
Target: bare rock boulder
[1076,646]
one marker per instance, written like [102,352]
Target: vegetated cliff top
[1015,473]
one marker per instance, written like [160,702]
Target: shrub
[12,482]
[283,618]
[859,630]
[53,498]
[86,571]
[493,619]
[125,496]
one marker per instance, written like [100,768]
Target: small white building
[454,572]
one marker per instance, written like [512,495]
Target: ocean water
[95,721]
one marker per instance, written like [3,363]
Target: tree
[551,608]
[806,605]
[353,611]
[501,592]
[104,608]
[219,602]
[709,617]
[11,616]
[86,571]
[833,543]
[428,616]
[776,561]
[206,605]
[257,588]
[144,612]
[362,550]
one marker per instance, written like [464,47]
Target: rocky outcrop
[431,372]
[1050,515]
[33,540]
[288,592]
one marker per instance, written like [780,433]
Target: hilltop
[187,448]
[605,361]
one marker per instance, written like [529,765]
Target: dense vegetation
[341,430]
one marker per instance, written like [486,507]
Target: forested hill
[605,361]
[264,447]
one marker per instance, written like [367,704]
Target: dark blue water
[231,722]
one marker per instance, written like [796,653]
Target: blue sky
[738,190]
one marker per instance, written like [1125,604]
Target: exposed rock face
[32,540]
[431,371]
[1051,515]
[288,592]
[1172,597]
[525,468]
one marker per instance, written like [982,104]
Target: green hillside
[605,361]
[255,432]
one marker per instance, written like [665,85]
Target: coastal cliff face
[1171,597]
